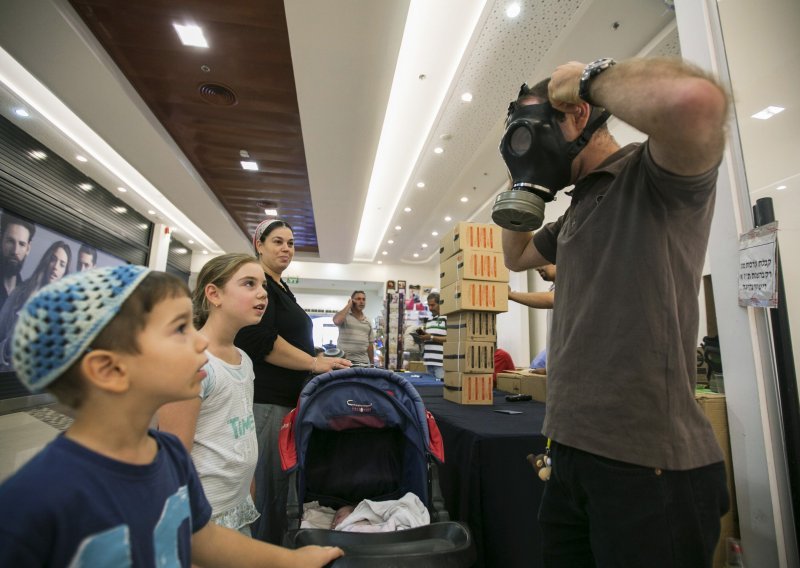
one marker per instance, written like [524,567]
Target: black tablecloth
[486,480]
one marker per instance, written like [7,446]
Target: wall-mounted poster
[32,256]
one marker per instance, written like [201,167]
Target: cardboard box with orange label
[471,236]
[473,265]
[468,388]
[475,295]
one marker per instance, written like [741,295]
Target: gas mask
[539,161]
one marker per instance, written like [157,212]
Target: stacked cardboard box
[714,407]
[523,381]
[474,288]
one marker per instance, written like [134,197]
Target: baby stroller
[363,433]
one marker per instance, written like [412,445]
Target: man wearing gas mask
[637,476]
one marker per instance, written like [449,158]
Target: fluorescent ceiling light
[464,199]
[250,166]
[435,233]
[37,155]
[120,209]
[416,255]
[81,158]
[191,35]
[390,241]
[151,212]
[85,186]
[407,209]
[768,112]
[181,250]
[398,228]
[21,112]
[205,252]
[421,184]
[448,218]
[122,189]
[438,150]
[271,212]
[780,187]
[424,245]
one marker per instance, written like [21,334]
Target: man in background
[542,301]
[87,258]
[356,338]
[15,247]
[434,334]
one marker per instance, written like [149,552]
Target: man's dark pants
[601,512]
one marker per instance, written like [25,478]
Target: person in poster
[53,266]
[15,246]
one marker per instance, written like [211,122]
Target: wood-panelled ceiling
[238,95]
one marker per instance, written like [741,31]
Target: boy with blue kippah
[115,344]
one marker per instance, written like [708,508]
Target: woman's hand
[324,364]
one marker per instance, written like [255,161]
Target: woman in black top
[282,349]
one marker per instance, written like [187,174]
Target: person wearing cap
[281,347]
[114,344]
[356,338]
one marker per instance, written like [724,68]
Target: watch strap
[591,71]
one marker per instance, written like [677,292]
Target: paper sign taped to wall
[758,271]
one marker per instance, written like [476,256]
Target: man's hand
[563,88]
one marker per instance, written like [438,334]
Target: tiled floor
[24,433]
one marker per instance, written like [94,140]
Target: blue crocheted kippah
[58,324]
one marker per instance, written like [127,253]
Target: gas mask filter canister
[539,161]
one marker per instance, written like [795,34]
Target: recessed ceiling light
[205,252]
[272,212]
[191,242]
[81,158]
[438,150]
[768,112]
[466,97]
[119,209]
[398,228]
[424,245]
[85,186]
[143,226]
[181,250]
[249,165]
[37,155]
[151,212]
[191,35]
[513,10]
[380,262]
[390,241]
[420,184]
[464,199]
[407,209]
[244,153]
[781,187]
[435,233]
[416,255]
[21,112]
[448,218]
[384,253]
[122,189]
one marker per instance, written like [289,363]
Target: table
[486,481]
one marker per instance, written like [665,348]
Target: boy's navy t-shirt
[70,506]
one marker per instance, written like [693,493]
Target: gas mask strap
[581,141]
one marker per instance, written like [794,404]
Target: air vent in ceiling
[217,94]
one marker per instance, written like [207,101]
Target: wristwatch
[590,72]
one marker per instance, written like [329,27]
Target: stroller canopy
[357,434]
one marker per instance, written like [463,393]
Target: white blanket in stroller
[371,516]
